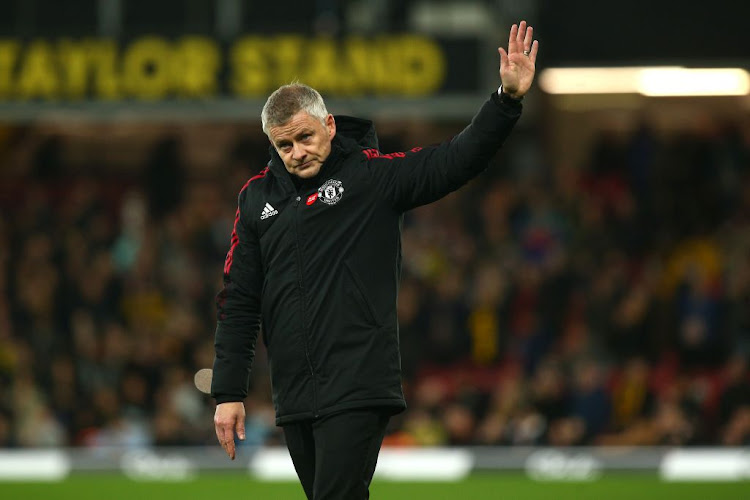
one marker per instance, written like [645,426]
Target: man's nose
[298,153]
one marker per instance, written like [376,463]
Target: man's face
[303,143]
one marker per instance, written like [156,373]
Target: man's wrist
[510,99]
[225,398]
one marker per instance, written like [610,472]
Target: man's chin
[307,172]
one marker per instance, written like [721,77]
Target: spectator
[636,256]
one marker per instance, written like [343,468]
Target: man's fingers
[240,428]
[219,432]
[503,58]
[230,446]
[226,438]
[512,38]
[520,35]
[225,435]
[534,50]
[220,435]
[528,38]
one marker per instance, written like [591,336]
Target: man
[315,257]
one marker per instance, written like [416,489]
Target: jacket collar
[352,136]
[341,148]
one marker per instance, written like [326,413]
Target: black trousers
[335,456]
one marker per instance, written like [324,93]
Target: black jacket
[318,266]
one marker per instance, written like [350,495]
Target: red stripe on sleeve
[235,240]
[374,153]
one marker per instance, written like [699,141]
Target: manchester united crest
[330,192]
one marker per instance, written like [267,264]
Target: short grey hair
[287,101]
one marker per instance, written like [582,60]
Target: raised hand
[517,65]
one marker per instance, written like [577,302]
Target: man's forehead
[301,120]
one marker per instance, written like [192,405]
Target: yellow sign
[152,68]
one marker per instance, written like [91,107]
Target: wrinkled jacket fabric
[318,266]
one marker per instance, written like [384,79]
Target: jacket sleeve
[238,311]
[424,175]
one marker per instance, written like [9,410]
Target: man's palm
[518,64]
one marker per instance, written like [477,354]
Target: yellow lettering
[106,83]
[357,58]
[320,71]
[383,68]
[249,68]
[422,65]
[38,76]
[8,55]
[287,55]
[196,65]
[155,68]
[146,68]
[74,64]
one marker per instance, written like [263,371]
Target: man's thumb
[240,427]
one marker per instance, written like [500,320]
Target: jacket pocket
[361,291]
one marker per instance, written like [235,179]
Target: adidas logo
[268,211]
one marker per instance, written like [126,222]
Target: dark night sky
[716,32]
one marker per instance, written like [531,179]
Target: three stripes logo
[268,211]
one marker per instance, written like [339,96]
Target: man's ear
[331,126]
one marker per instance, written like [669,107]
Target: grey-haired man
[315,258]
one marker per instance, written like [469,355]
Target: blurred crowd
[546,303]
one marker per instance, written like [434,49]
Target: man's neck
[301,184]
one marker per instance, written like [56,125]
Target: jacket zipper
[301,285]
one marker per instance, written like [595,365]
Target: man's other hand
[228,419]
[517,65]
